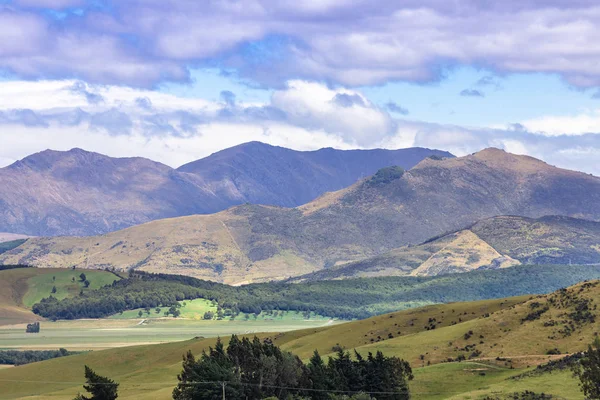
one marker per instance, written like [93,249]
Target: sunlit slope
[20,288]
[496,242]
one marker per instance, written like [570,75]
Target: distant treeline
[6,267]
[15,357]
[13,244]
[346,299]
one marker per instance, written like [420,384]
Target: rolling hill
[20,288]
[497,242]
[83,193]
[499,339]
[391,209]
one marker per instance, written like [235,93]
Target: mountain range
[84,193]
[389,210]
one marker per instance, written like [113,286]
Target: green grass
[195,309]
[443,381]
[107,333]
[150,372]
[40,286]
[190,309]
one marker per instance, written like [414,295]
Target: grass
[150,372]
[67,283]
[443,381]
[195,310]
[109,333]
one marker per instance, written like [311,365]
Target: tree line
[18,357]
[344,299]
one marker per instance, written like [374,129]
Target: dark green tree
[318,374]
[82,277]
[201,379]
[53,289]
[100,387]
[588,371]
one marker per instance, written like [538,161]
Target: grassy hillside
[511,336]
[253,243]
[68,283]
[492,243]
[20,288]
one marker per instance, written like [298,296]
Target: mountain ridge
[78,192]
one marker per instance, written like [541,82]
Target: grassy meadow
[67,283]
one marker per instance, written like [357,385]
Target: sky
[175,81]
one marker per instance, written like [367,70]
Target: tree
[100,387]
[140,313]
[82,277]
[86,283]
[53,289]
[318,376]
[588,371]
[33,328]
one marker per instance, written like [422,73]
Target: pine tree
[100,387]
[317,371]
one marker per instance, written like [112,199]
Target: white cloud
[585,122]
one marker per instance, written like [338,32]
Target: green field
[195,309]
[103,334]
[67,283]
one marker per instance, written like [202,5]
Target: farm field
[106,333]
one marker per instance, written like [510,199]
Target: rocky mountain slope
[389,210]
[83,193]
[497,242]
[261,174]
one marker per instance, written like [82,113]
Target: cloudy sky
[177,80]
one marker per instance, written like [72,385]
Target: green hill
[501,340]
[20,288]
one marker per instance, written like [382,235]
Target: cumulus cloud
[340,112]
[556,125]
[353,43]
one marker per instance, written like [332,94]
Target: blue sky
[177,80]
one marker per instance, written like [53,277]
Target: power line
[224,383]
